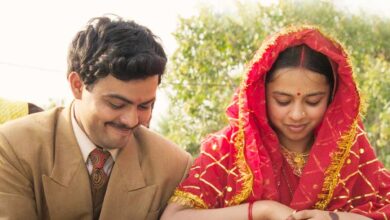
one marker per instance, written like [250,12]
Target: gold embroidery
[243,167]
[368,163]
[332,173]
[187,199]
[367,181]
[212,186]
[191,187]
[348,177]
[216,162]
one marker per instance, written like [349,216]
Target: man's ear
[76,84]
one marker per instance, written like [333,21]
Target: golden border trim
[187,199]
[332,172]
[243,167]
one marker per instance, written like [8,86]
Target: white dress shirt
[86,147]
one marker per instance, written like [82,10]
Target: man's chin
[118,143]
[112,147]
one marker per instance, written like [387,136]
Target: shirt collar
[86,145]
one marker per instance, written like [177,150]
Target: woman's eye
[282,103]
[313,103]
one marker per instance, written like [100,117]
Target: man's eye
[114,106]
[144,107]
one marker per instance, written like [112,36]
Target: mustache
[120,125]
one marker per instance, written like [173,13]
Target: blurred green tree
[213,48]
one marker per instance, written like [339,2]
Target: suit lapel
[67,189]
[127,195]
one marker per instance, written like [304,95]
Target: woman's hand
[270,210]
[315,214]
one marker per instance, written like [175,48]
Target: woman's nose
[297,112]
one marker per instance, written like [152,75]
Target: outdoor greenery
[214,46]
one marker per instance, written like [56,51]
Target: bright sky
[35,37]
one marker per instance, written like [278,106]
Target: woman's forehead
[297,80]
[297,74]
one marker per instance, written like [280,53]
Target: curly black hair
[124,49]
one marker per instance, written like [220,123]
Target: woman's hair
[305,57]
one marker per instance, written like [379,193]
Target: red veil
[243,161]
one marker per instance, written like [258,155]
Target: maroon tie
[99,179]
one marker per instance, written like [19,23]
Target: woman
[295,147]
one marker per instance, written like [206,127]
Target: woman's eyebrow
[316,93]
[281,93]
[288,94]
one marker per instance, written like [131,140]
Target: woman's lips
[296,128]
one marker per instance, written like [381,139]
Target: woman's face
[297,99]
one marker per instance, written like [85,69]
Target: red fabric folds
[243,162]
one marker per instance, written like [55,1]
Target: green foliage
[213,48]
[376,90]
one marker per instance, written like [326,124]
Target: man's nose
[130,118]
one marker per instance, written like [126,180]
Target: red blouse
[243,161]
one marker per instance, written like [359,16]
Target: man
[15,109]
[95,159]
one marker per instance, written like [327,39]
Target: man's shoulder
[161,159]
[37,129]
[153,143]
[33,122]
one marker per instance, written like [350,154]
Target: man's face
[110,110]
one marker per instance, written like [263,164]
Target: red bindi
[298,93]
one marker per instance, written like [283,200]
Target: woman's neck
[300,146]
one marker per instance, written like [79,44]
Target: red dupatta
[243,162]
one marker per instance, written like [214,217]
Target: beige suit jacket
[43,175]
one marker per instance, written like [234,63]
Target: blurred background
[208,44]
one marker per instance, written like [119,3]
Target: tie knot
[98,157]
